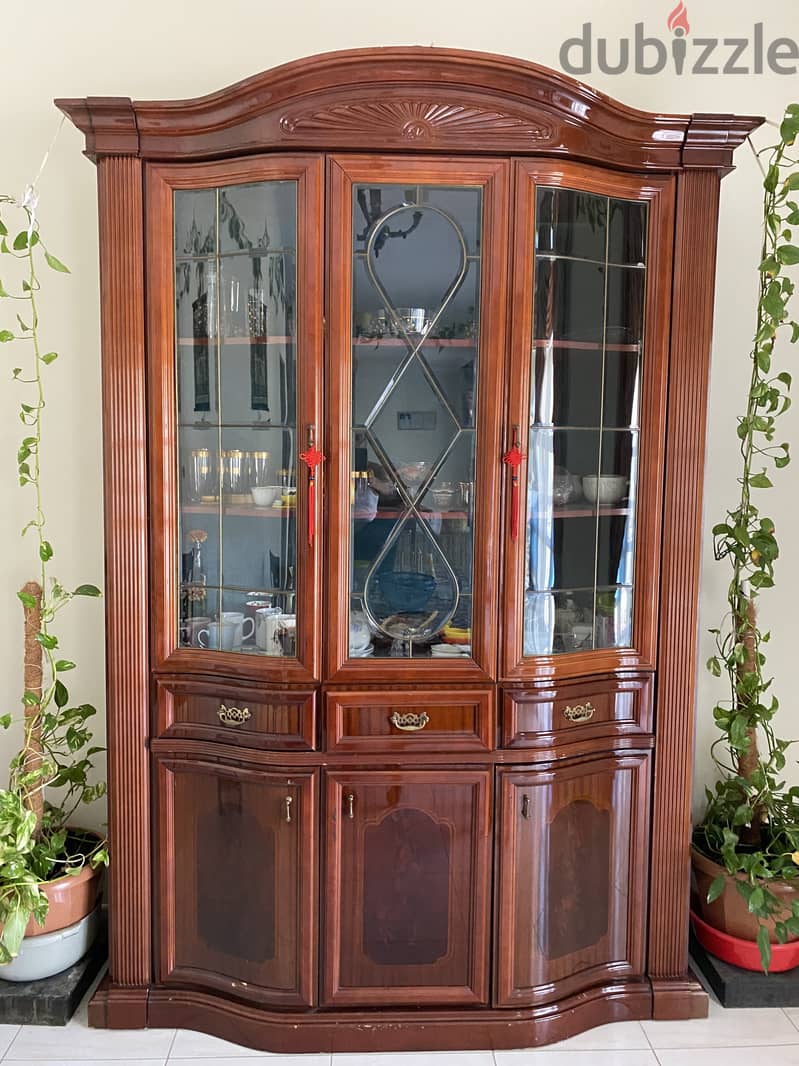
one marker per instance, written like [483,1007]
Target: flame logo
[678,18]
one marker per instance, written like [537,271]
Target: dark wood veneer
[411,943]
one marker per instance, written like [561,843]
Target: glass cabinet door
[415,340]
[588,366]
[243,565]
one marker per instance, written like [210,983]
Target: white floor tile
[775,1055]
[793,1014]
[724,1028]
[7,1034]
[627,1036]
[260,1059]
[550,1056]
[193,1045]
[76,1043]
[420,1058]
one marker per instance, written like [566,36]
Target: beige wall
[160,50]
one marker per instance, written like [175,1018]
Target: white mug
[220,636]
[266,630]
[240,622]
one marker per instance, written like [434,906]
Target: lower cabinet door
[237,880]
[408,888]
[572,856]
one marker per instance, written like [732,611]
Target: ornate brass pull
[581,712]
[350,805]
[289,801]
[233,716]
[410,722]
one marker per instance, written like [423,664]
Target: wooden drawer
[446,721]
[578,712]
[239,714]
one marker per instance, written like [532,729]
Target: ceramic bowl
[605,489]
[265,495]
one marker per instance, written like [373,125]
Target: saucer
[363,653]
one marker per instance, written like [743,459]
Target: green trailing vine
[751,823]
[36,841]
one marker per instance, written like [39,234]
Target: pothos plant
[751,823]
[50,775]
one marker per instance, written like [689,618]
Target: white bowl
[605,489]
[265,495]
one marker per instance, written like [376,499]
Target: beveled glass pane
[237,450]
[627,232]
[585,399]
[571,223]
[569,301]
[195,222]
[416,287]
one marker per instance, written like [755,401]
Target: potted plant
[746,847]
[49,868]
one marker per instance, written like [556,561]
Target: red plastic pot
[744,953]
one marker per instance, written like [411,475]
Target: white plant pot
[48,954]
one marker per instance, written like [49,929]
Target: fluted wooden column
[126,583]
[691,331]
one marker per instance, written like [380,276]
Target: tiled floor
[746,1037]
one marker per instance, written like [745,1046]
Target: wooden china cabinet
[405,372]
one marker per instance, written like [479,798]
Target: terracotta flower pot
[71,898]
[729,913]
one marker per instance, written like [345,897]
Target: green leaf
[61,695]
[49,357]
[56,264]
[64,664]
[47,641]
[87,590]
[20,241]
[788,254]
[764,944]
[716,888]
[791,182]
[3,230]
[5,336]
[5,721]
[31,699]
[760,481]
[26,599]
[772,178]
[45,551]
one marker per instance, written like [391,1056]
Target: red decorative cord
[312,458]
[514,459]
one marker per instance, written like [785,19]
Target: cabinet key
[289,801]
[526,807]
[350,805]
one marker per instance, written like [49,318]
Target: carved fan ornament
[414,120]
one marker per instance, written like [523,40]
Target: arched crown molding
[408,99]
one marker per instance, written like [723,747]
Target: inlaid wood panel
[570,715]
[407,885]
[284,720]
[572,862]
[237,867]
[420,720]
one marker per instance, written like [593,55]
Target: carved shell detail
[415,120]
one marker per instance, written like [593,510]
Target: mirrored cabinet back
[405,367]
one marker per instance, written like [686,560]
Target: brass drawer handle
[410,723]
[581,712]
[233,716]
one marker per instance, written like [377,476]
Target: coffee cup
[219,636]
[190,628]
[245,627]
[266,630]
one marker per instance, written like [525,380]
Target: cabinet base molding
[676,999]
[118,1006]
[387,1030]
